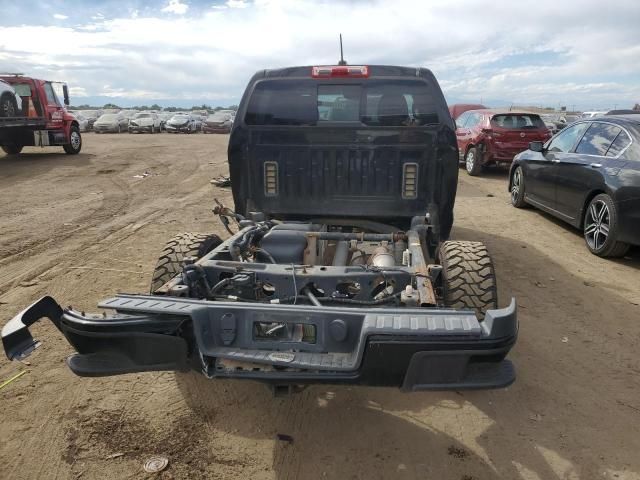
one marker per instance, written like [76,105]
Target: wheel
[468,277]
[472,164]
[176,250]
[8,106]
[517,188]
[75,141]
[12,149]
[153,129]
[119,128]
[601,228]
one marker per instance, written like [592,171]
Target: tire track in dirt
[114,203]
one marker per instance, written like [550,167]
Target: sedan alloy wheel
[597,226]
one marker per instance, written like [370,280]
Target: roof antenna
[342,61]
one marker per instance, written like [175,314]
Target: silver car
[111,122]
[145,122]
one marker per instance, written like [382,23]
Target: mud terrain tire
[176,250]
[468,277]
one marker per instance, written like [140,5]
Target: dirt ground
[83,227]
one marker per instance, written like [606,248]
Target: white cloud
[237,4]
[59,16]
[554,53]
[176,6]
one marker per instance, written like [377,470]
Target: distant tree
[232,107]
[110,105]
[155,106]
[636,106]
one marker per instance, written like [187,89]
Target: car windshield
[374,102]
[517,121]
[142,115]
[180,117]
[109,117]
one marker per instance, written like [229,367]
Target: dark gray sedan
[589,176]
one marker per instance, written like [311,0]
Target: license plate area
[290,332]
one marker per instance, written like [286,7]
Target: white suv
[10,103]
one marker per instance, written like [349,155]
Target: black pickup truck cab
[338,268]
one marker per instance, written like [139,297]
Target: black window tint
[564,141]
[339,103]
[517,122]
[398,103]
[374,102]
[597,139]
[283,102]
[619,144]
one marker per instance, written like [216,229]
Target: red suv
[489,137]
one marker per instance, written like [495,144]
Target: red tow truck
[42,120]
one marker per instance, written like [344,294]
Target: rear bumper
[502,153]
[410,349]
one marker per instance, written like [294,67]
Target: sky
[583,54]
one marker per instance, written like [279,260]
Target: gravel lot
[83,227]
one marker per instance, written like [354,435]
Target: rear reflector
[341,71]
[270,179]
[410,180]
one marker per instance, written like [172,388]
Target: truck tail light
[410,180]
[340,71]
[270,179]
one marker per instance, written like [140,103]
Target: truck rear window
[517,121]
[22,89]
[373,102]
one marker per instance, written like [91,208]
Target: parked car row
[132,121]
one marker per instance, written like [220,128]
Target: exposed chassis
[408,347]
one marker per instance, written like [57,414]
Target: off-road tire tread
[176,250]
[469,280]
